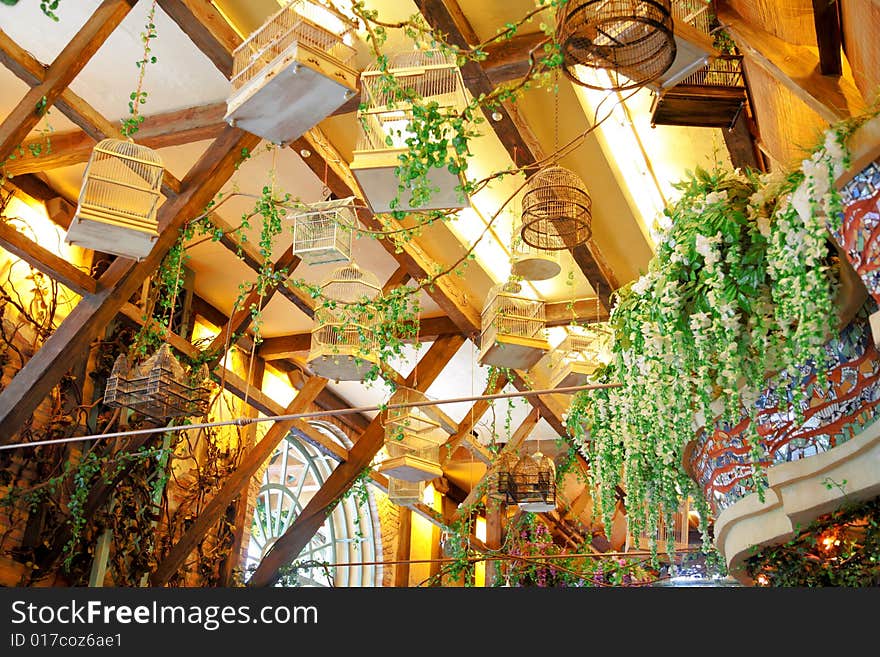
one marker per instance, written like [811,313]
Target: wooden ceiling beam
[233,485]
[312,517]
[70,61]
[466,426]
[121,279]
[207,29]
[157,131]
[826,15]
[795,67]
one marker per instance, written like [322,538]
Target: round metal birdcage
[534,483]
[632,40]
[556,210]
[344,344]
[500,484]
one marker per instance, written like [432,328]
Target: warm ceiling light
[305,152]
[497,116]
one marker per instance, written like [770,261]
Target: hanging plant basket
[160,387]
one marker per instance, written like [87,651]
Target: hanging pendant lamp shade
[632,40]
[556,210]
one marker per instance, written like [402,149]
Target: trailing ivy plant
[740,285]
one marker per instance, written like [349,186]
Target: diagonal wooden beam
[207,28]
[121,279]
[45,261]
[795,67]
[312,517]
[470,420]
[75,55]
[233,485]
[826,16]
[158,131]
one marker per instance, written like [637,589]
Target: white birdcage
[534,483]
[344,345]
[531,263]
[412,439]
[118,200]
[426,76]
[323,232]
[293,72]
[577,357]
[404,493]
[513,329]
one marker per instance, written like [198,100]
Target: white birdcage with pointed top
[534,483]
[344,345]
[293,72]
[531,263]
[323,232]
[513,329]
[579,354]
[118,200]
[385,116]
[159,387]
[412,439]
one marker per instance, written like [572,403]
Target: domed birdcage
[530,263]
[513,329]
[556,210]
[500,481]
[118,200]
[578,355]
[386,116]
[632,40]
[160,387]
[323,232]
[293,72]
[344,345]
[404,493]
[412,439]
[534,483]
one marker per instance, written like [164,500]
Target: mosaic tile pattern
[859,235]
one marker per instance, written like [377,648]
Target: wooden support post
[122,279]
[233,486]
[361,454]
[75,55]
[494,537]
[828,37]
[402,553]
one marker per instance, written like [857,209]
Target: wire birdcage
[159,387]
[556,210]
[534,483]
[386,114]
[578,355]
[500,481]
[324,231]
[412,439]
[118,200]
[293,72]
[513,328]
[632,40]
[344,345]
[404,493]
[530,263]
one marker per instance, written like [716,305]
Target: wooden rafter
[312,517]
[826,15]
[466,426]
[158,131]
[121,279]
[208,29]
[795,67]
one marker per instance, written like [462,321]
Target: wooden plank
[206,28]
[796,67]
[827,18]
[508,59]
[581,311]
[312,517]
[404,541]
[70,61]
[45,261]
[233,485]
[157,131]
[121,279]
[494,537]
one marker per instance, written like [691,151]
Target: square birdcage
[118,200]
[160,387]
[386,117]
[513,329]
[293,72]
[412,439]
[574,359]
[405,493]
[534,483]
[323,232]
[344,344]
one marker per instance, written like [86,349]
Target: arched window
[296,471]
